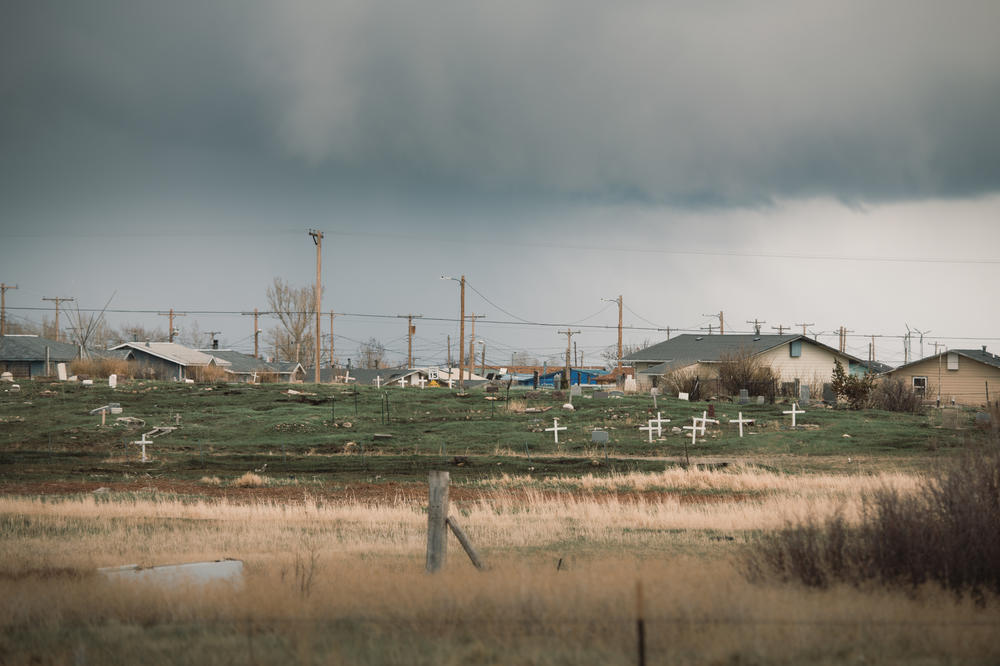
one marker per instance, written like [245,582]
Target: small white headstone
[113,381]
[6,377]
[630,385]
[87,382]
[15,388]
[682,396]
[61,371]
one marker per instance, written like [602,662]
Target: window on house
[952,361]
[920,386]
[795,349]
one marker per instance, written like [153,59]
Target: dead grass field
[341,580]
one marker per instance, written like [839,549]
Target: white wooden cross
[555,429]
[704,422]
[795,410]
[694,432]
[402,382]
[659,421]
[741,421]
[451,382]
[144,442]
[650,428]
[378,381]
[422,381]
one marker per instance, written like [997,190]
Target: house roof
[174,353]
[32,348]
[980,355]
[240,363]
[688,348]
[119,354]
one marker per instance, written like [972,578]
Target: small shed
[27,356]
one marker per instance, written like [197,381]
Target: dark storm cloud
[723,102]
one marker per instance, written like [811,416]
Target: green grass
[338,434]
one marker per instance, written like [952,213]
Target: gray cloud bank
[676,102]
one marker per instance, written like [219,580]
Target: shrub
[681,381]
[856,390]
[894,395]
[944,533]
[250,480]
[743,370]
[101,367]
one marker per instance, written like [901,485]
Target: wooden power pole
[722,322]
[804,326]
[57,301]
[410,330]
[317,237]
[170,322]
[3,306]
[331,338]
[256,335]
[756,325]
[780,328]
[472,343]
[569,336]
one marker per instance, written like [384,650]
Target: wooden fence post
[437,515]
[640,624]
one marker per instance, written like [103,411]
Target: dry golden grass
[344,583]
[251,480]
[101,367]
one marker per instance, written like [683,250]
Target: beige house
[792,357]
[960,376]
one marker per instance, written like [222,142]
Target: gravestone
[558,395]
[600,394]
[599,437]
[653,392]
[760,400]
[682,396]
[113,381]
[804,394]
[828,394]
[575,390]
[711,411]
[616,394]
[61,371]
[788,388]
[557,382]
[744,397]
[630,386]
[6,377]
[492,389]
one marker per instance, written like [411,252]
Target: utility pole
[804,326]
[410,330]
[779,328]
[667,329]
[170,321]
[936,345]
[707,328]
[922,334]
[256,335]
[449,354]
[211,336]
[3,306]
[756,325]
[843,338]
[620,305]
[575,361]
[569,336]
[57,301]
[722,322]
[331,338]
[472,343]
[317,237]
[482,367]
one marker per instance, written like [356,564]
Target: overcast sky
[830,163]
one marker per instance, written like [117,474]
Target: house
[960,376]
[169,360]
[27,356]
[249,369]
[794,358]
[586,376]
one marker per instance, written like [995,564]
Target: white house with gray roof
[792,357]
[169,360]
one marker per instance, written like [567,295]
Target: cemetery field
[327,509]
[327,438]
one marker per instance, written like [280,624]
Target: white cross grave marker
[659,421]
[704,422]
[422,381]
[402,382]
[451,382]
[795,410]
[741,421]
[555,429]
[378,381]
[694,433]
[144,442]
[650,428]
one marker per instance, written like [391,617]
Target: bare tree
[129,332]
[371,354]
[90,328]
[610,354]
[293,306]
